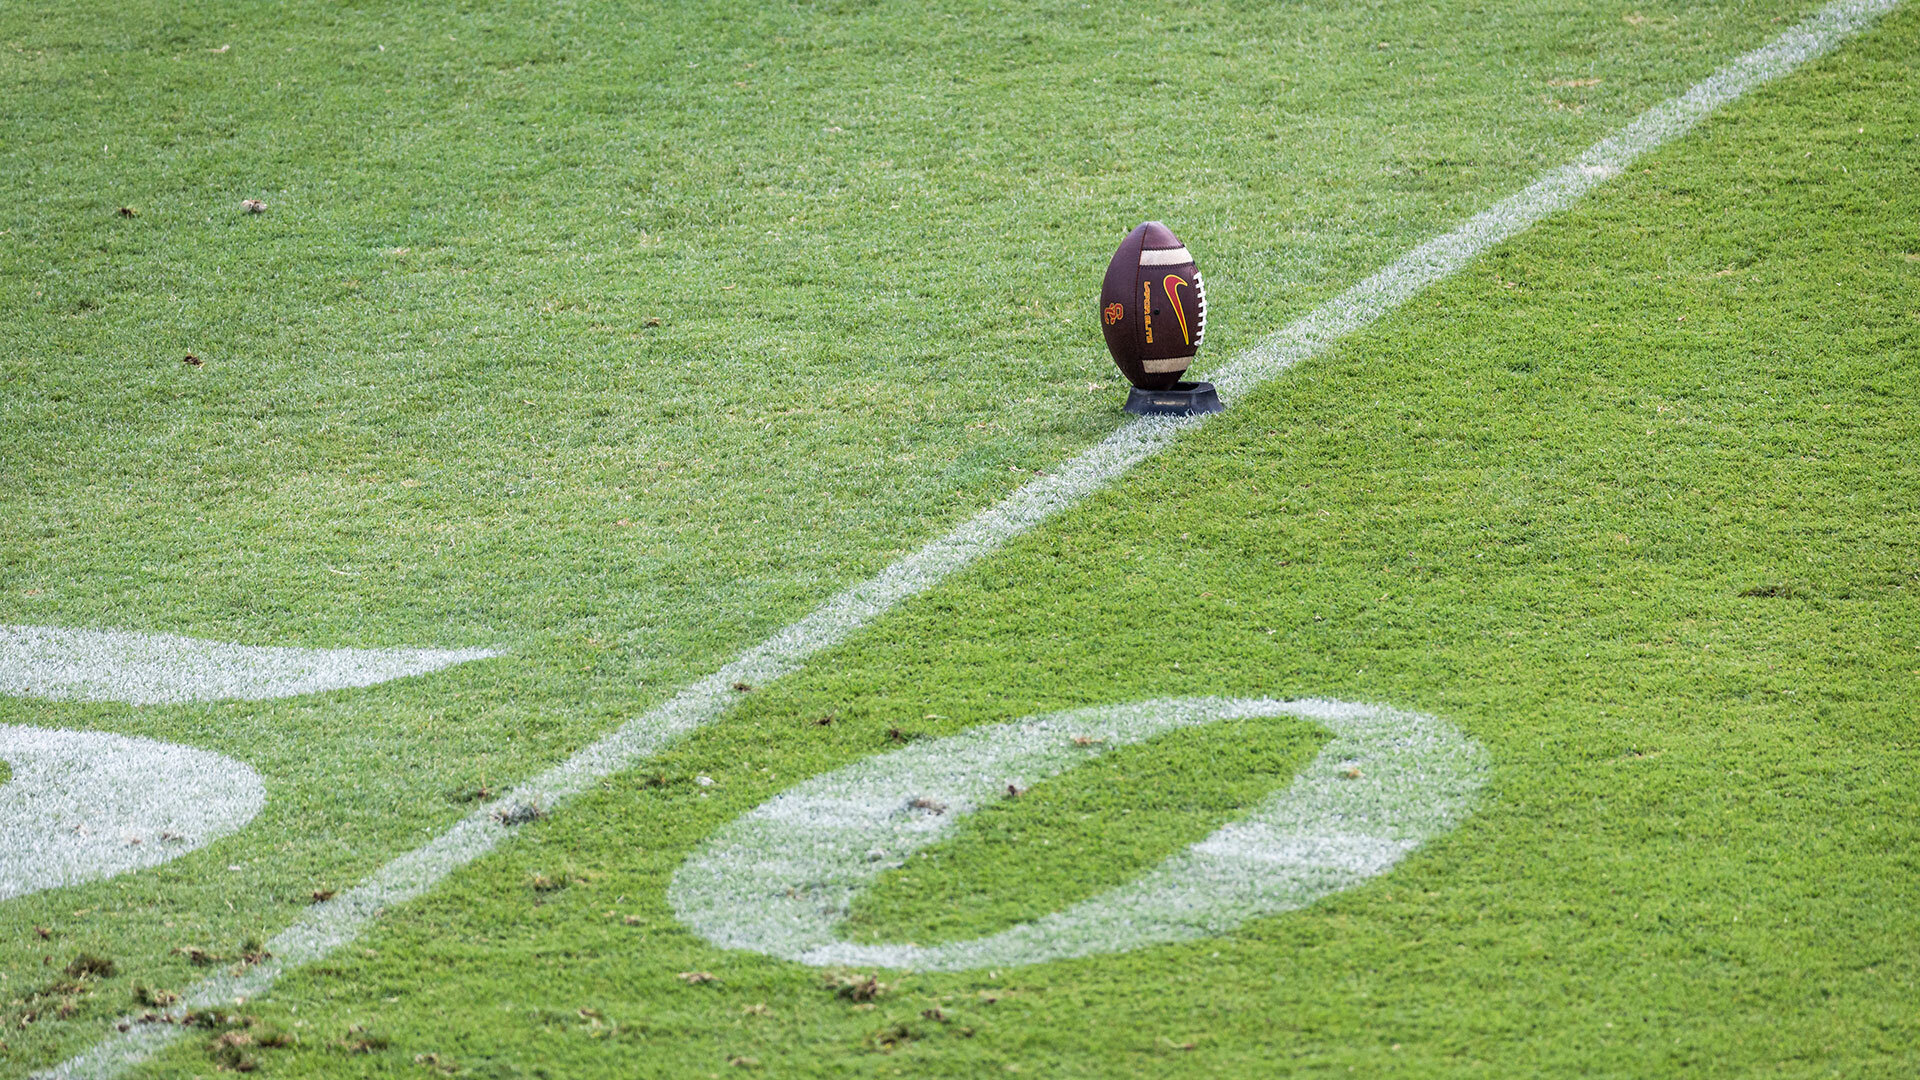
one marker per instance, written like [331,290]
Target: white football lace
[1200,294]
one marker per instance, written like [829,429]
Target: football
[1153,307]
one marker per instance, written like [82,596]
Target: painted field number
[85,805]
[780,879]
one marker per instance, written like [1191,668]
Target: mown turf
[1630,501]
[1589,501]
[1095,828]
[431,408]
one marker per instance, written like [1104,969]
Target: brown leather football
[1153,307]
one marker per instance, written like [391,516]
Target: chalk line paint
[327,926]
[85,805]
[163,669]
[781,879]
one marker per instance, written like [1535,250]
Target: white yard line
[327,926]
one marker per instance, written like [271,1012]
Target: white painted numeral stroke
[161,669]
[780,879]
[85,805]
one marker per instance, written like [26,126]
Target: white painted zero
[781,878]
[85,805]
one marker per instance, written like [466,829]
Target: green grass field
[1632,501]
